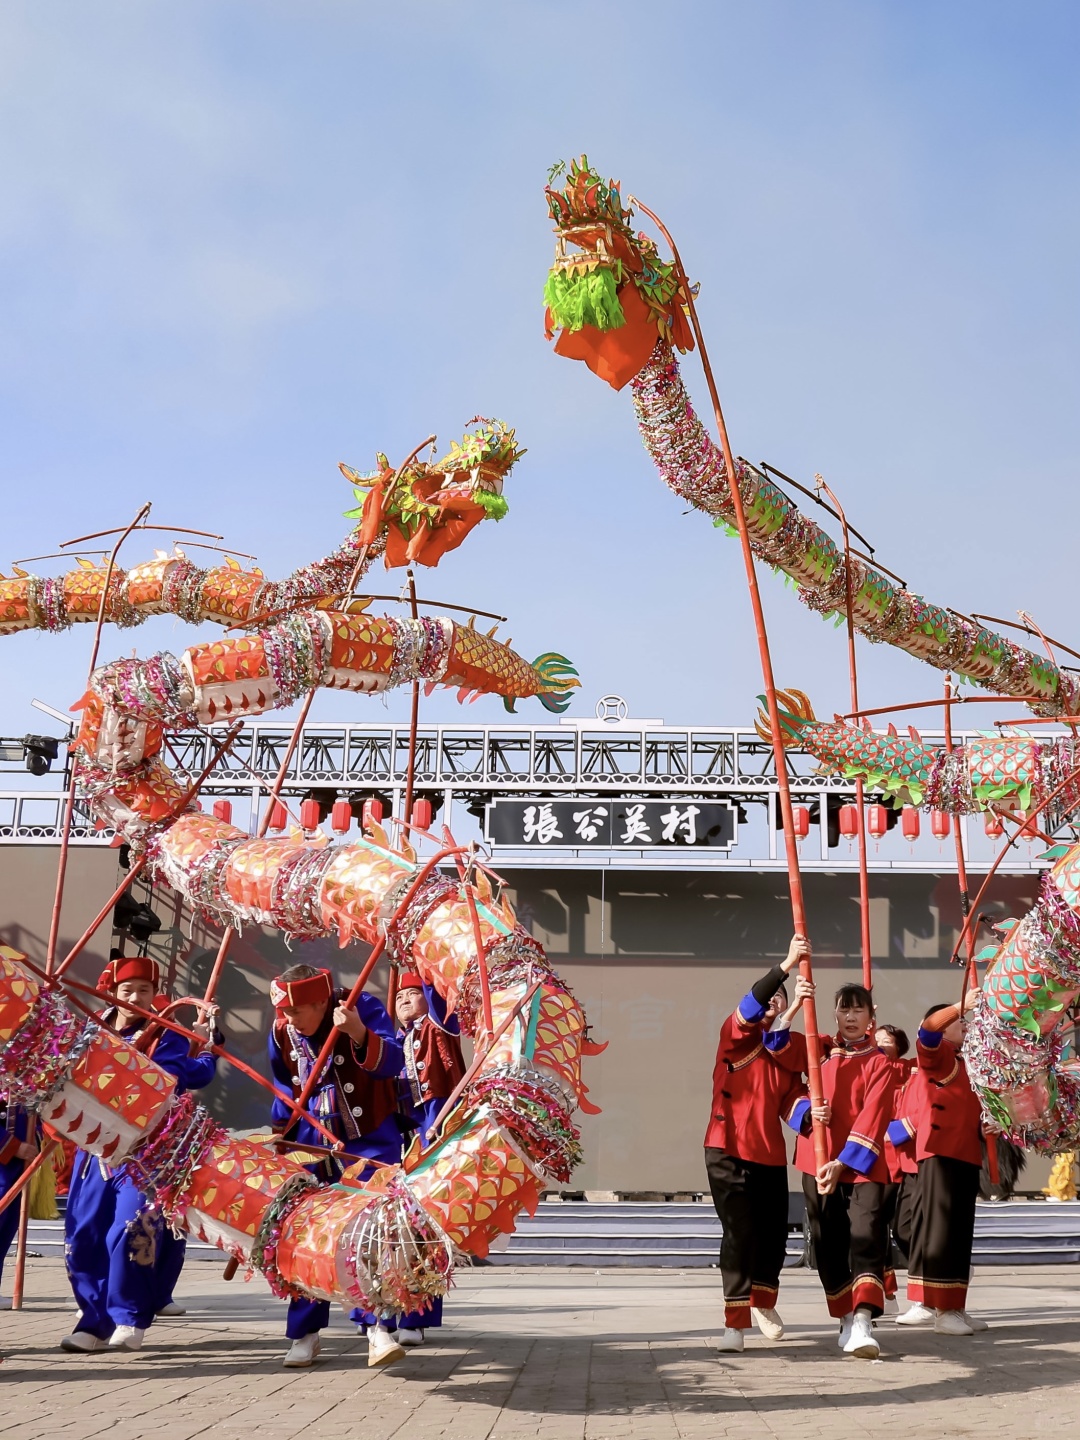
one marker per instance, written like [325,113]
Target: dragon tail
[559,678]
[795,712]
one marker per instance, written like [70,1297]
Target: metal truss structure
[463,767]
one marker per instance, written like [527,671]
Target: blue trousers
[170,1261]
[111,1274]
[9,1220]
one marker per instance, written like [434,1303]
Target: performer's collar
[855,1047]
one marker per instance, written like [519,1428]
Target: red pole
[20,1250]
[478,939]
[971,976]
[166,1022]
[481,1056]
[192,790]
[860,797]
[69,804]
[365,974]
[791,846]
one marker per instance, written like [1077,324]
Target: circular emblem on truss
[611,708]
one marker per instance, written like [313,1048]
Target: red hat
[409,980]
[129,967]
[285,993]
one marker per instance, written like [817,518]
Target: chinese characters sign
[611,824]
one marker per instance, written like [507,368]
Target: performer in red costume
[757,1081]
[948,1149]
[845,1198]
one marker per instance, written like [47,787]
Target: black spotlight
[39,752]
[139,921]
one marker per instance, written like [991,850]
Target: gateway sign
[611,824]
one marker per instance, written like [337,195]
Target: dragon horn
[795,712]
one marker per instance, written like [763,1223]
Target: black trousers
[904,1218]
[943,1232]
[850,1231]
[752,1203]
[899,1205]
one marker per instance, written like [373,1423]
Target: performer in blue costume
[355,1098]
[111,1237]
[171,1254]
[433,1067]
[17,1147]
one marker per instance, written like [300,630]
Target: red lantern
[993,825]
[1029,829]
[909,822]
[372,813]
[421,814]
[941,824]
[849,821]
[223,811]
[341,816]
[309,814]
[800,820]
[877,821]
[279,816]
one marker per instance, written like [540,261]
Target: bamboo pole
[138,865]
[791,846]
[69,805]
[860,795]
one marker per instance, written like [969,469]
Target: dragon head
[610,294]
[427,508]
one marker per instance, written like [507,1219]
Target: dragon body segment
[385,1243]
[415,513]
[1009,774]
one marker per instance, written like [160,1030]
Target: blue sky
[241,242]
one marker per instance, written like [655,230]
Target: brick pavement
[555,1355]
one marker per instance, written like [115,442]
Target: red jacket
[950,1116]
[859,1084]
[899,1148]
[757,1084]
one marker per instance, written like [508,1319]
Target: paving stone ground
[554,1354]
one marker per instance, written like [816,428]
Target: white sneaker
[769,1323]
[383,1347]
[916,1315]
[952,1322]
[81,1342]
[730,1342]
[302,1352]
[410,1339]
[975,1321]
[845,1332]
[861,1342]
[171,1310]
[126,1337]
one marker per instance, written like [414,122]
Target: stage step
[644,1235]
[687,1236]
